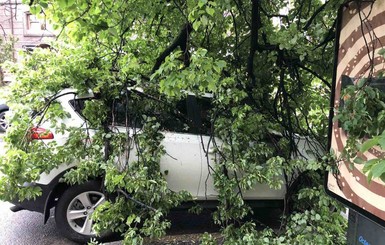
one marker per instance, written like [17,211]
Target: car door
[199,109]
[208,144]
[182,162]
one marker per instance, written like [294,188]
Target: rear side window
[130,111]
[78,105]
[189,115]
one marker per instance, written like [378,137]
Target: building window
[34,26]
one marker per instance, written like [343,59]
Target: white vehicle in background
[185,162]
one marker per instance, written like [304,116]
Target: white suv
[185,162]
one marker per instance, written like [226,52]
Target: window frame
[27,32]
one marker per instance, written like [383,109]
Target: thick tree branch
[255,26]
[181,41]
[275,15]
[319,10]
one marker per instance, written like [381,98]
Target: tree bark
[181,41]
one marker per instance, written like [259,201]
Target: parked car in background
[3,123]
[185,163]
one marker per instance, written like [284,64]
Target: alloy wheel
[80,210]
[3,122]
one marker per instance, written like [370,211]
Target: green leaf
[43,4]
[130,219]
[381,52]
[369,164]
[361,82]
[358,160]
[368,144]
[70,2]
[196,25]
[378,169]
[382,177]
[210,11]
[35,10]
[370,177]
[381,141]
[62,3]
[113,31]
[204,20]
[101,26]
[221,64]
[201,3]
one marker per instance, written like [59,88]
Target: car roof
[88,94]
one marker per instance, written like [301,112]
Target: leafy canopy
[268,72]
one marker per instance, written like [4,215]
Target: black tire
[74,209]
[3,124]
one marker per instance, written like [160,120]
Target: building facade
[18,23]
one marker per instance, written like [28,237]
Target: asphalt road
[26,227]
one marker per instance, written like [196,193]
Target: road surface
[27,228]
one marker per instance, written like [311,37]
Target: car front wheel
[74,210]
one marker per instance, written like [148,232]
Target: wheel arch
[58,187]
[3,108]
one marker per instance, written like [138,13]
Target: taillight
[41,134]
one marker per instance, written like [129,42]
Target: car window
[205,106]
[130,111]
[78,105]
[189,115]
[198,111]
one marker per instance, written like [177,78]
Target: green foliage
[6,54]
[318,223]
[362,117]
[364,110]
[374,168]
[269,84]
[202,75]
[146,185]
[6,49]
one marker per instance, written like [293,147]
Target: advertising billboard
[359,59]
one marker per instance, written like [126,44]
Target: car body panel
[182,162]
[207,190]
